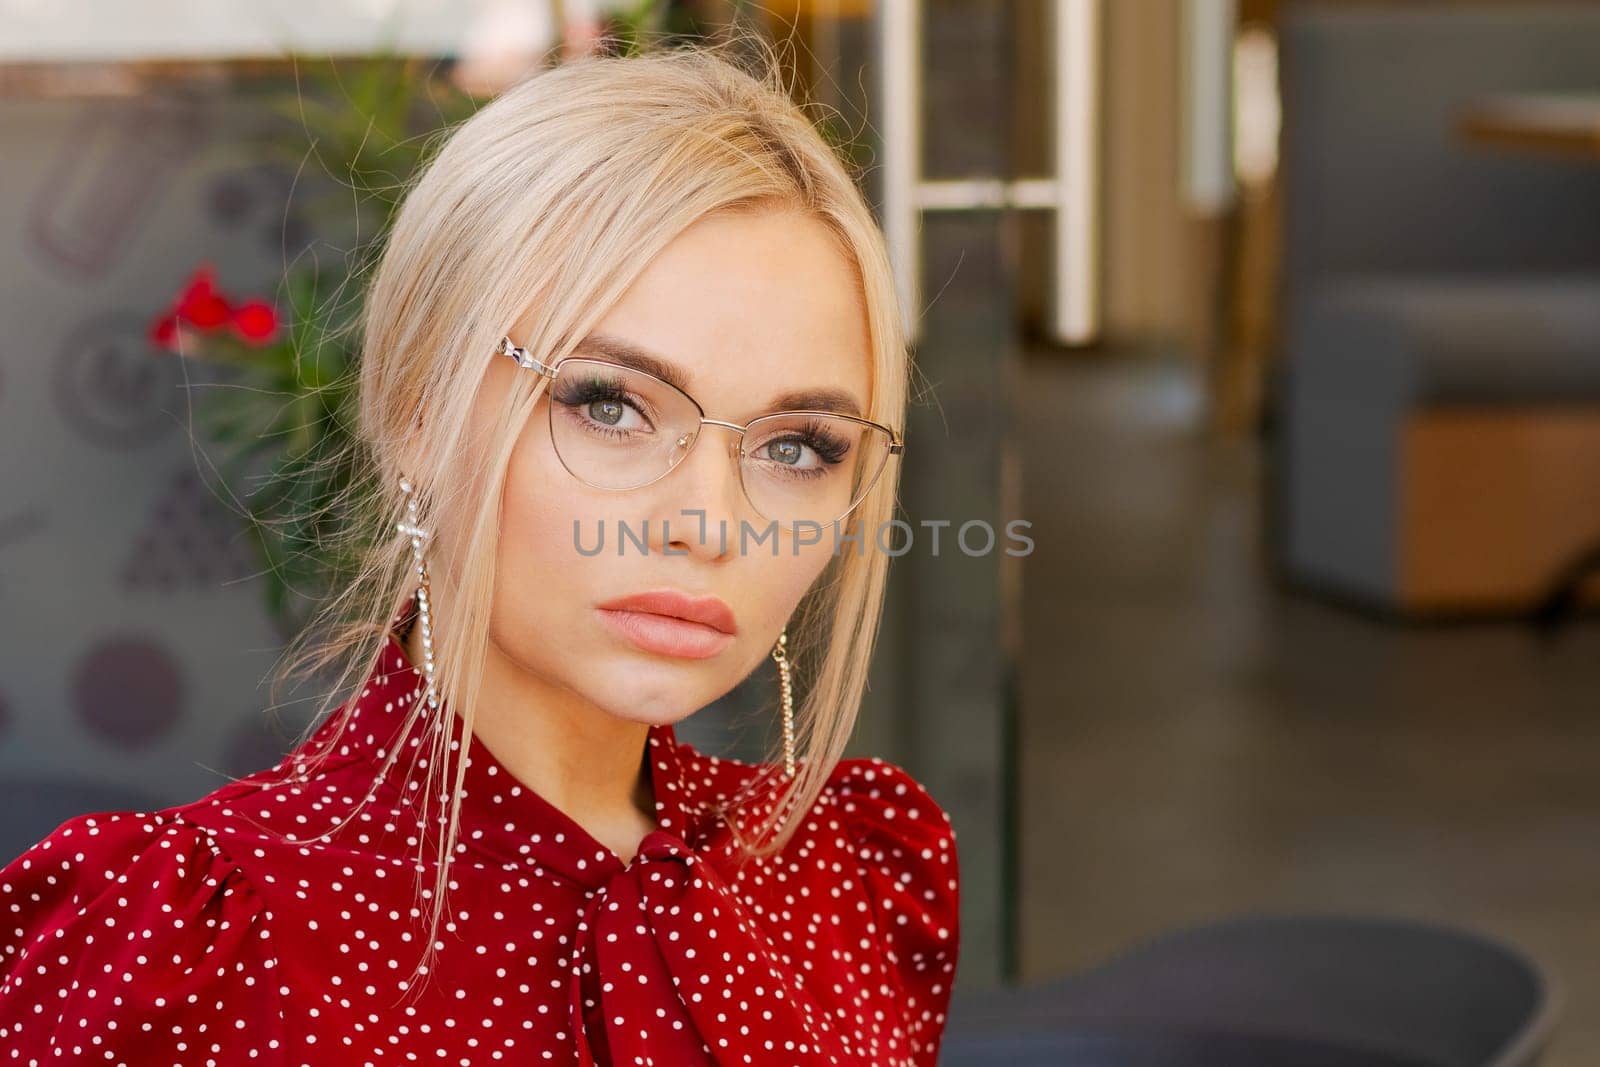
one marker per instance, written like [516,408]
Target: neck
[578,757]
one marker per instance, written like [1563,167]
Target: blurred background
[1278,321]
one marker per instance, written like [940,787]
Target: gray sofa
[1425,274]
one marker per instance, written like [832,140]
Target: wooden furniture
[1495,502]
[1508,482]
[1562,124]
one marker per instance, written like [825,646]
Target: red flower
[255,321]
[200,303]
[164,332]
[202,306]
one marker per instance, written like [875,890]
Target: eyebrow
[629,354]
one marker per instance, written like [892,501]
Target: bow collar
[670,921]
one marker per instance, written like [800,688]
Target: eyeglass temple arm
[523,357]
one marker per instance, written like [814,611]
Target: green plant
[278,422]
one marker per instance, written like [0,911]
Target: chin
[652,711]
[657,693]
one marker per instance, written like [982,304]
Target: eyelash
[579,394]
[828,448]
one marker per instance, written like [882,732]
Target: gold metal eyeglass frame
[525,359]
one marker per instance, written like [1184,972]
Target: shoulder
[124,927]
[79,862]
[898,831]
[903,840]
[877,809]
[905,847]
[879,794]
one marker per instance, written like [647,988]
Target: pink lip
[672,623]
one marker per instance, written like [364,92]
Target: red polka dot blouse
[227,931]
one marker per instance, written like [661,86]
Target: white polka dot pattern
[239,929]
[132,938]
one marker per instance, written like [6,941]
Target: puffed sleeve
[131,938]
[907,849]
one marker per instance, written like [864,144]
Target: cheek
[539,568]
[542,505]
[532,507]
[775,587]
[532,510]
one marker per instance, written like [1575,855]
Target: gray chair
[1422,273]
[1281,990]
[1150,1047]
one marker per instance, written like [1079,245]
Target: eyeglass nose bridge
[734,426]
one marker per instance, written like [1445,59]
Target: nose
[706,481]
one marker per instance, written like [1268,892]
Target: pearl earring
[418,536]
[781,656]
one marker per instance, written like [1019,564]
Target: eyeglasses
[615,427]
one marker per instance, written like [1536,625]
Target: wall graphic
[134,639]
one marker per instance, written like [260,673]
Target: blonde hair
[556,195]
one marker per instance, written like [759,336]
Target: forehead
[750,308]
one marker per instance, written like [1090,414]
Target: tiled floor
[1197,741]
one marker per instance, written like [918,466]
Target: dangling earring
[418,535]
[781,655]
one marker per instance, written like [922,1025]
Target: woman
[630,392]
